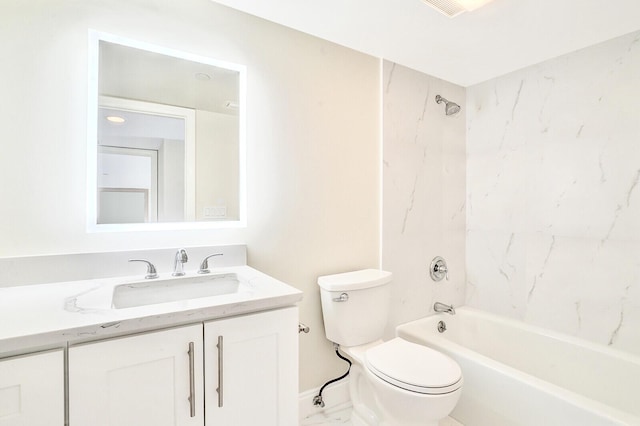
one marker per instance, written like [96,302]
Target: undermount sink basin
[150,292]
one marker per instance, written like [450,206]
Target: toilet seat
[414,367]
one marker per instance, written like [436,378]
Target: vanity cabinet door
[251,370]
[32,390]
[152,379]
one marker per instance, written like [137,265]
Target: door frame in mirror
[189,118]
[95,37]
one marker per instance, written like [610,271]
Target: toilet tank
[355,305]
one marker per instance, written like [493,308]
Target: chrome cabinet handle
[192,383]
[220,370]
[344,297]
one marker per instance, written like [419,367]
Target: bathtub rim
[542,331]
[450,348]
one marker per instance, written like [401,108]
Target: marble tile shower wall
[553,194]
[423,191]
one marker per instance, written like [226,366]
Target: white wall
[313,142]
[217,172]
[553,194]
[424,191]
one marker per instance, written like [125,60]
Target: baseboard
[335,396]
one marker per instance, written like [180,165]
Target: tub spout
[441,307]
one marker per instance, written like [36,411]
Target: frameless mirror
[166,138]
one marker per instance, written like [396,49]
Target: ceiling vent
[453,8]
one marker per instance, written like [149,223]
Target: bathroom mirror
[166,146]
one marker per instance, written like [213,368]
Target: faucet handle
[181,255]
[204,266]
[178,262]
[438,269]
[151,270]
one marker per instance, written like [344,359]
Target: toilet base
[364,411]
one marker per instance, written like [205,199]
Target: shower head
[450,108]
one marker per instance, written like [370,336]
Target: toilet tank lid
[355,280]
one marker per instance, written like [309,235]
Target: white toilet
[393,383]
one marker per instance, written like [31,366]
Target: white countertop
[46,315]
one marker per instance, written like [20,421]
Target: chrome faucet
[204,266]
[151,270]
[441,307]
[178,262]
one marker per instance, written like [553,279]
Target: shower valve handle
[438,269]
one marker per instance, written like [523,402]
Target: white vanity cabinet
[251,370]
[32,390]
[151,379]
[244,371]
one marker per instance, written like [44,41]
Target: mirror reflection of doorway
[141,174]
[127,185]
[123,205]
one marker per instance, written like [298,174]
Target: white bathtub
[517,374]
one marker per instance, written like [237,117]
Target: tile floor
[341,416]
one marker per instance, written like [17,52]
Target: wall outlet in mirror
[166,138]
[214,212]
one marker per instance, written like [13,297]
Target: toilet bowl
[399,383]
[413,385]
[393,383]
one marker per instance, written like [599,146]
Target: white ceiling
[501,37]
[132,73]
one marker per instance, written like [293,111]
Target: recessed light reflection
[115,119]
